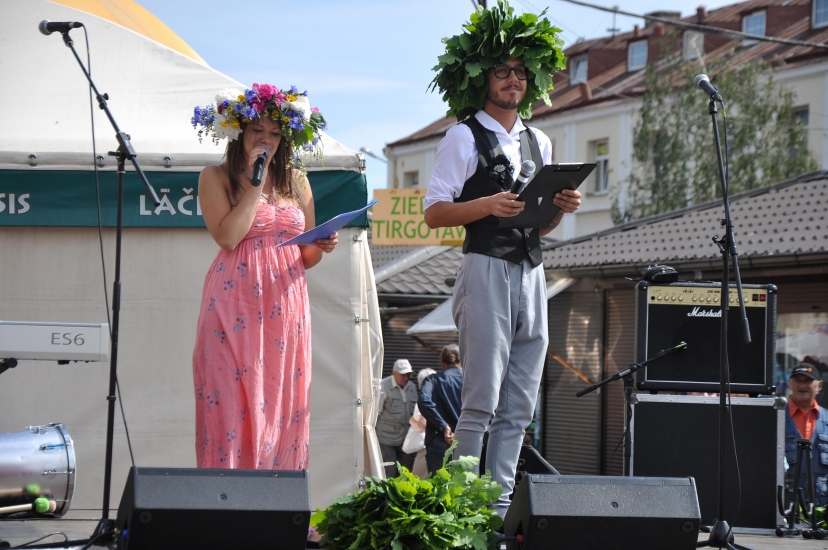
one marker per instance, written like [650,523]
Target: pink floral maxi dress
[252,357]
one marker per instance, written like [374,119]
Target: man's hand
[504,205]
[448,435]
[568,200]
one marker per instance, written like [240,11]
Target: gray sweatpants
[500,311]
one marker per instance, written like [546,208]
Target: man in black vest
[499,304]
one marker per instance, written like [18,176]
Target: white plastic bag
[415,438]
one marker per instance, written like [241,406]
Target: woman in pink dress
[252,357]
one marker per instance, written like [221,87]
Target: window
[801,114]
[601,149]
[578,70]
[637,55]
[753,24]
[693,46]
[820,13]
[411,179]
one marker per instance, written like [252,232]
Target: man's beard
[507,104]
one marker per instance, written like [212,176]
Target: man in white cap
[396,405]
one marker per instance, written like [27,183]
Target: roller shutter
[399,346]
[571,426]
[619,353]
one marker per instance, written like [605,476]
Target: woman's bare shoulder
[215,171]
[302,185]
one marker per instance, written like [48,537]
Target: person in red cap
[806,420]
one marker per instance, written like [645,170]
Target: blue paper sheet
[328,228]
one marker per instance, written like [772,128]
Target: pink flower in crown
[259,104]
[279,98]
[265,91]
[314,109]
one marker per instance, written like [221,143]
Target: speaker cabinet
[171,508]
[603,513]
[667,314]
[676,435]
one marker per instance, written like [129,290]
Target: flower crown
[492,36]
[300,122]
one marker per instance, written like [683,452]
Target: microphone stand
[631,369]
[626,374]
[721,533]
[106,528]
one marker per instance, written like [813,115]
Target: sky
[366,64]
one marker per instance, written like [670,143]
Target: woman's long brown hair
[282,174]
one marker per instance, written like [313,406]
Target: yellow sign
[398,219]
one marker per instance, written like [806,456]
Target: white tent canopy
[53,274]
[152,91]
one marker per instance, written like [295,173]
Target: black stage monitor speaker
[172,508]
[667,314]
[603,513]
[677,435]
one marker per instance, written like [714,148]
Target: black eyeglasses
[502,71]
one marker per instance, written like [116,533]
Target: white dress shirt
[456,158]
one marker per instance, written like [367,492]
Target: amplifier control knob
[681,298]
[716,299]
[659,297]
[673,298]
[694,298]
[708,298]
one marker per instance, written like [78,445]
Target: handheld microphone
[702,82]
[258,168]
[47,27]
[527,170]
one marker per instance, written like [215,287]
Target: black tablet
[539,210]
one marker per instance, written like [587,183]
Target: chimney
[586,92]
[658,30]
[636,31]
[701,14]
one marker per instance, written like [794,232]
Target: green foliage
[674,159]
[820,517]
[448,510]
[493,36]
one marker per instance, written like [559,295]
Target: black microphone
[702,82]
[47,27]
[258,168]
[527,170]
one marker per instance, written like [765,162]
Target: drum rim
[69,447]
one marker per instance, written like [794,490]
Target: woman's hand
[259,149]
[327,245]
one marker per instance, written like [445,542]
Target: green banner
[66,198]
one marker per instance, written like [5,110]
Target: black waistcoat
[483,236]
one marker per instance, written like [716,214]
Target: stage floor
[79,524]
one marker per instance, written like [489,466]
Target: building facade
[596,100]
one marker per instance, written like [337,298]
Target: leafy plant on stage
[493,36]
[450,509]
[820,517]
[674,162]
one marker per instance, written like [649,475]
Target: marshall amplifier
[667,314]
